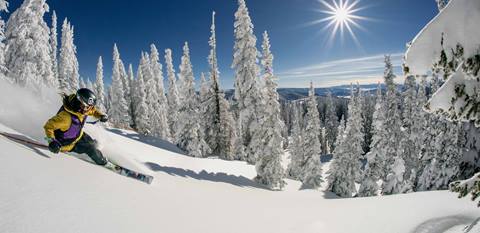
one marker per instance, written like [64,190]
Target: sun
[340,17]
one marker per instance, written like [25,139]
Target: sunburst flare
[341,17]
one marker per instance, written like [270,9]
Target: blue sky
[301,51]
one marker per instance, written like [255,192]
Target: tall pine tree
[100,86]
[345,167]
[173,96]
[375,158]
[247,92]
[140,108]
[155,73]
[189,134]
[219,122]
[28,56]
[331,122]
[297,153]
[118,107]
[68,64]
[268,138]
[312,171]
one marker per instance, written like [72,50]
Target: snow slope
[44,192]
[459,23]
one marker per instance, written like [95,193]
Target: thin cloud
[363,70]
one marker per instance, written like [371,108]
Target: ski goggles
[86,106]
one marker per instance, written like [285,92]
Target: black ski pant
[86,145]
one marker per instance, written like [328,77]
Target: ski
[130,173]
[23,140]
[123,171]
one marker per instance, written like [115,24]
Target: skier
[65,130]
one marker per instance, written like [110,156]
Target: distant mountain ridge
[299,93]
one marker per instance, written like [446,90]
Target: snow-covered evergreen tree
[108,98]
[331,122]
[189,134]
[131,107]
[297,154]
[450,156]
[3,8]
[394,164]
[388,143]
[375,158]
[341,130]
[173,96]
[345,167]
[457,100]
[239,145]
[247,92]
[155,72]
[355,133]
[421,128]
[268,138]
[368,104]
[312,175]
[154,108]
[409,148]
[126,90]
[68,64]
[54,45]
[203,98]
[28,56]
[204,86]
[395,183]
[118,111]
[220,131]
[212,100]
[432,135]
[141,109]
[100,86]
[441,153]
[227,129]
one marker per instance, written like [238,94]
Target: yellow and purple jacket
[67,126]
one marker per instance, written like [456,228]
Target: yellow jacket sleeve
[61,121]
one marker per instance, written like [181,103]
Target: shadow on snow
[240,181]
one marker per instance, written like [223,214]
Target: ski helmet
[86,97]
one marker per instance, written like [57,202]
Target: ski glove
[104,118]
[54,146]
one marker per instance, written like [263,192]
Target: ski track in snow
[455,223]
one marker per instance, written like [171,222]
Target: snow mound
[459,21]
